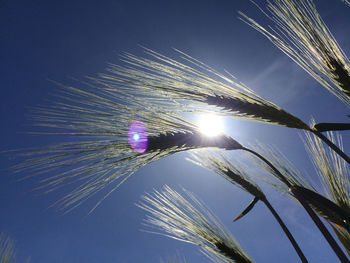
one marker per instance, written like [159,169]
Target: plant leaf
[247,210]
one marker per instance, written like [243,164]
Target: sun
[211,124]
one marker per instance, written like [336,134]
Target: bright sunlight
[211,124]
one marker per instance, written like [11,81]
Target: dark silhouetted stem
[332,145]
[331,241]
[286,231]
[280,176]
[323,127]
[334,245]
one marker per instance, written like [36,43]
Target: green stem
[334,245]
[286,231]
[331,145]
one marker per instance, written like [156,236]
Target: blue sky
[56,40]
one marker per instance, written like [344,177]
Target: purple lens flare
[137,137]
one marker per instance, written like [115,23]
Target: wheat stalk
[221,165]
[96,124]
[334,174]
[303,36]
[302,191]
[306,197]
[298,183]
[101,115]
[190,221]
[192,86]
[178,87]
[332,170]
[292,175]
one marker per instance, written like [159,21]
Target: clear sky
[42,40]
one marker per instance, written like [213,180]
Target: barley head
[303,36]
[331,169]
[334,174]
[107,136]
[186,219]
[193,86]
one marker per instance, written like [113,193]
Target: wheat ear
[221,165]
[95,126]
[192,86]
[186,219]
[306,197]
[334,174]
[303,36]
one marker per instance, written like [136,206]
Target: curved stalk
[281,177]
[331,241]
[286,231]
[338,251]
[331,145]
[222,166]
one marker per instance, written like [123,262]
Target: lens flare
[137,137]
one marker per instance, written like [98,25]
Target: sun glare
[211,125]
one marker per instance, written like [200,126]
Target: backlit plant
[144,110]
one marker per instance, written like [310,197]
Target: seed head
[190,221]
[107,135]
[303,36]
[193,86]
